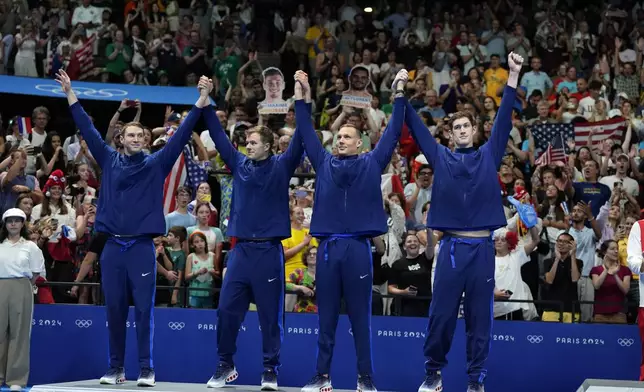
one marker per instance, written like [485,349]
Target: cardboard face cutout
[273,102]
[357,95]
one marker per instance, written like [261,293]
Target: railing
[560,305]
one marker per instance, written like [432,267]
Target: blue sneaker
[365,384]
[433,383]
[113,376]
[269,380]
[319,383]
[224,375]
[475,387]
[147,378]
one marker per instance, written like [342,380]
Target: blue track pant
[255,272]
[464,265]
[129,264]
[344,269]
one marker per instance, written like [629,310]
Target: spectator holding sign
[357,94]
[273,102]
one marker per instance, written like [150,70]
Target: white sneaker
[147,378]
[15,388]
[113,376]
[269,381]
[224,375]
[432,383]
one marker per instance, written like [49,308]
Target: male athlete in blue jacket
[259,219]
[347,212]
[466,207]
[130,211]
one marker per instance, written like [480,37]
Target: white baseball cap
[14,213]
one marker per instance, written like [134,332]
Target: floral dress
[301,277]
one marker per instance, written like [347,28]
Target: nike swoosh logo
[489,280]
[270,280]
[364,276]
[146,274]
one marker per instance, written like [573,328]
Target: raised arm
[503,119]
[99,149]
[168,155]
[225,148]
[424,139]
[303,125]
[387,143]
[293,154]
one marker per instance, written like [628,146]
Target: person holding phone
[510,257]
[204,195]
[412,276]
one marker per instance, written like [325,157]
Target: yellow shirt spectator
[296,244]
[621,248]
[495,79]
[313,33]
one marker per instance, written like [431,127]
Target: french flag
[24,125]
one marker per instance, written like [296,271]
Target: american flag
[81,63]
[556,151]
[196,170]
[176,178]
[608,129]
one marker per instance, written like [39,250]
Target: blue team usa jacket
[259,204]
[131,197]
[348,199]
[466,194]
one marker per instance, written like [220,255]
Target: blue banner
[69,343]
[100,91]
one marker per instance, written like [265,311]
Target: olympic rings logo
[176,325]
[83,91]
[624,342]
[83,323]
[534,339]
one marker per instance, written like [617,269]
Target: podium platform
[611,386]
[130,386]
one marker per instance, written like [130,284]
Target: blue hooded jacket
[131,194]
[466,195]
[259,204]
[348,198]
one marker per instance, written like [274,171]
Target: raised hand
[302,86]
[400,80]
[65,83]
[205,86]
[515,62]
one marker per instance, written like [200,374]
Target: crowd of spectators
[585,66]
